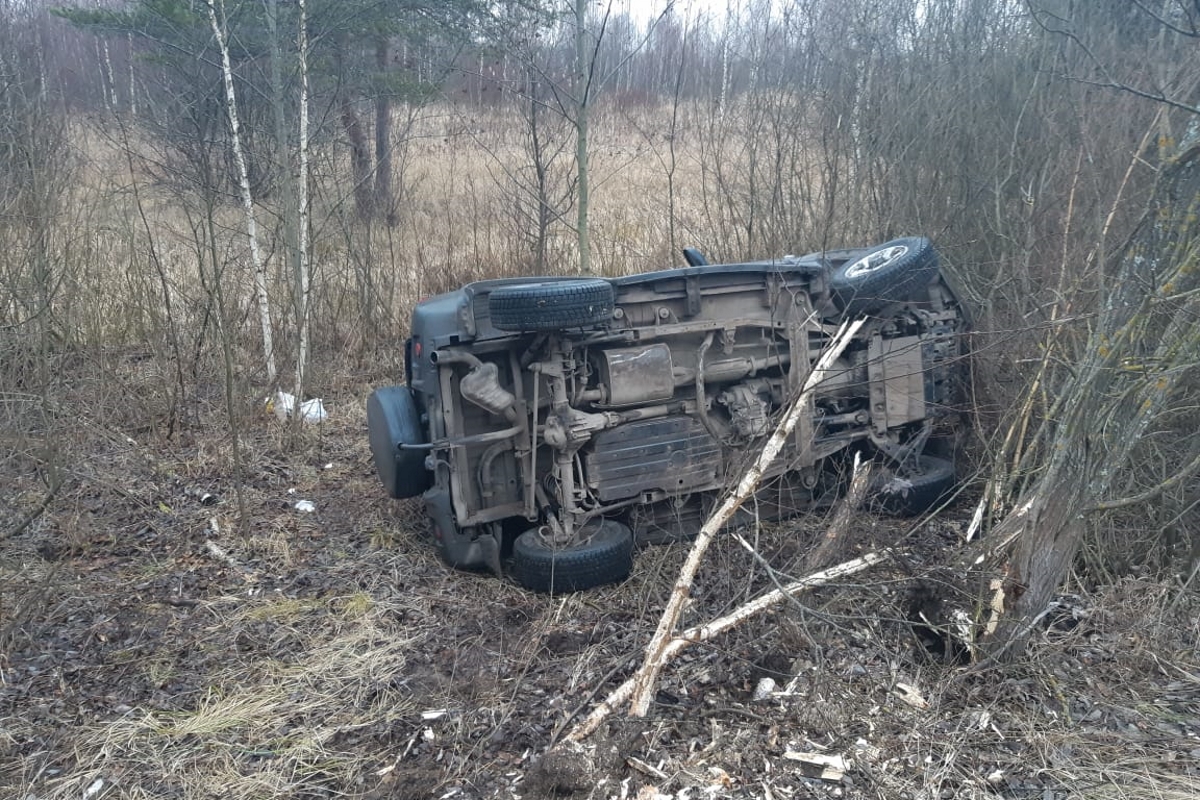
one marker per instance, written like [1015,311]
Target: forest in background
[204,202]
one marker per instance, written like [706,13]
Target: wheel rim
[876,261]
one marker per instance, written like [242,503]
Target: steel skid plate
[673,454]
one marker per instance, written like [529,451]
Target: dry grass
[463,206]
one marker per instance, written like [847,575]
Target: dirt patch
[152,647]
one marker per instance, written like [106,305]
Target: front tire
[890,273]
[605,557]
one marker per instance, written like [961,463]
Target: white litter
[283,404]
[305,506]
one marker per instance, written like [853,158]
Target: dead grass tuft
[265,724]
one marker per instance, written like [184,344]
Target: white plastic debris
[765,688]
[284,404]
[305,506]
[94,789]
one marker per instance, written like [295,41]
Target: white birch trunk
[260,269]
[107,79]
[303,276]
[133,109]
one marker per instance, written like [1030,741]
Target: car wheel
[393,421]
[911,491]
[892,272]
[606,557]
[551,305]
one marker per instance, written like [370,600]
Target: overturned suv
[557,421]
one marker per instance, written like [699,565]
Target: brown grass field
[156,642]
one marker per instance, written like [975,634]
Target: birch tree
[235,143]
[303,274]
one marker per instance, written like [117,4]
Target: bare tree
[231,110]
[1121,408]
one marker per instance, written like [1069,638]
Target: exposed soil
[149,647]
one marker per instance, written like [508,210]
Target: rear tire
[606,557]
[913,491]
[551,305]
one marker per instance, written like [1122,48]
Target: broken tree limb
[647,676]
[715,627]
[824,553]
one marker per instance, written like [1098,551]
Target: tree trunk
[1045,531]
[360,161]
[383,137]
[582,110]
[303,268]
[260,268]
[1143,348]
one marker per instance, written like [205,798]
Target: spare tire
[605,557]
[394,423]
[915,490]
[551,305]
[890,273]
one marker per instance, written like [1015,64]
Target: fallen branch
[702,633]
[647,676]
[32,516]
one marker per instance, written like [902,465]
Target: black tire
[890,273]
[393,420]
[911,491]
[551,305]
[606,557]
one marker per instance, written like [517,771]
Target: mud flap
[460,549]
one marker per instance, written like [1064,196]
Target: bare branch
[702,633]
[1039,16]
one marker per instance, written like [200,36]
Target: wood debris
[819,765]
